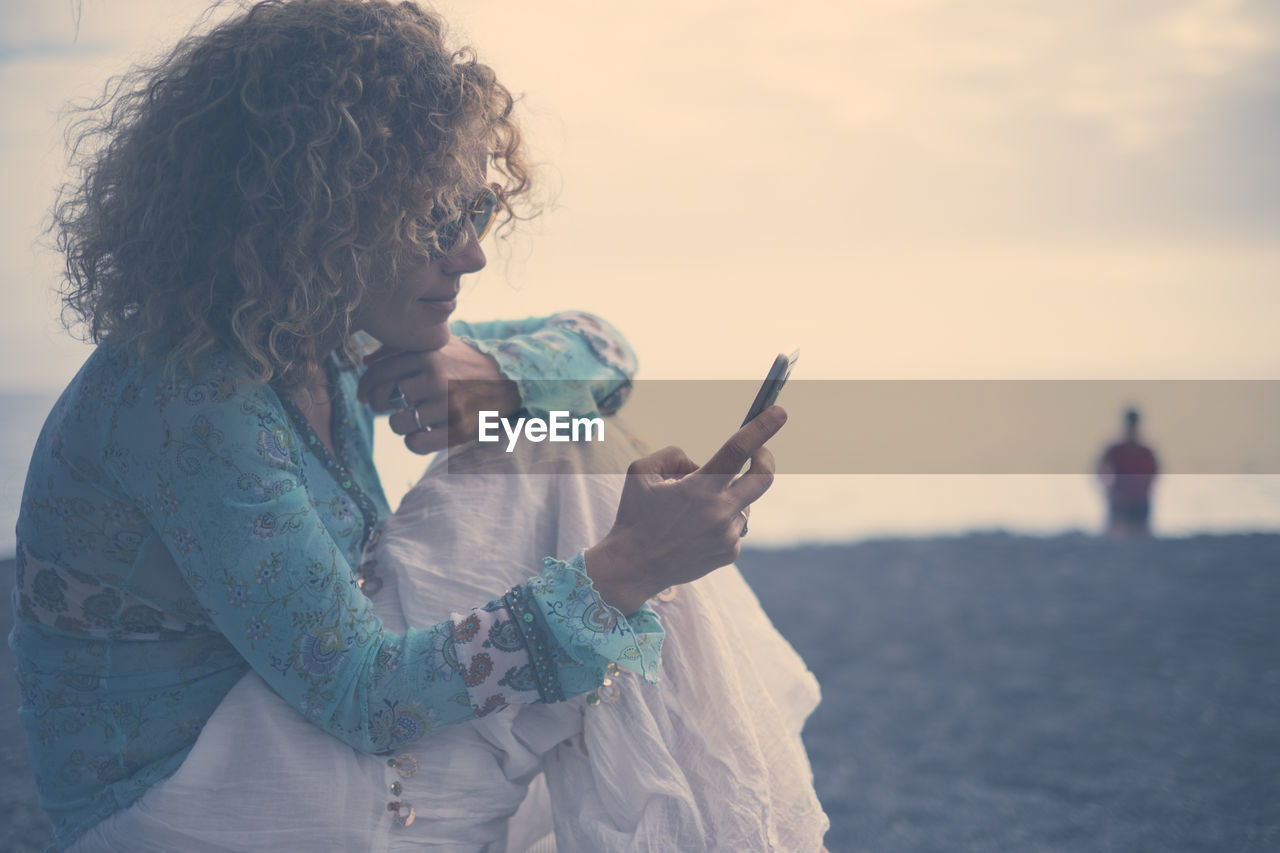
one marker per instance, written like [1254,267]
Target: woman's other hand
[423,378]
[678,521]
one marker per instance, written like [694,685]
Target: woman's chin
[421,339]
[434,337]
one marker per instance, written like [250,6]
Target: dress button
[396,789]
[403,812]
[405,764]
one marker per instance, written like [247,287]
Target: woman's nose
[466,256]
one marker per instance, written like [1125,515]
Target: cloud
[31,22]
[957,119]
[792,137]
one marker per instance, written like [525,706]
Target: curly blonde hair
[249,189]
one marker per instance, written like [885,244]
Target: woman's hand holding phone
[678,521]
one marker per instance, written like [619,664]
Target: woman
[203,488]
[709,759]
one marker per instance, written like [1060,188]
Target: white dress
[709,759]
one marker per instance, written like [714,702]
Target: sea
[812,508]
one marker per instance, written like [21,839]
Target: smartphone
[772,384]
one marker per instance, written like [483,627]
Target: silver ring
[418,421]
[397,400]
[743,531]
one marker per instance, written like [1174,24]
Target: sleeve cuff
[548,371]
[538,396]
[608,344]
[590,631]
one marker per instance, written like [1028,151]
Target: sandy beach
[1002,693]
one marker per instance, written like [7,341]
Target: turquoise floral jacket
[175,533]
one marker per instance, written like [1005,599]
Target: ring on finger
[745,514]
[417,420]
[397,400]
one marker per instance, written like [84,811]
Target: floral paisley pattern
[399,722]
[176,531]
[546,358]
[588,629]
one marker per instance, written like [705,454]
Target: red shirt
[1134,468]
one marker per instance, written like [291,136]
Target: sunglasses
[482,211]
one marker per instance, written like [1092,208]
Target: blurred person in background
[1127,471]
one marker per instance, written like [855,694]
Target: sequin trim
[521,608]
[336,465]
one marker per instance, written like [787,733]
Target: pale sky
[901,188]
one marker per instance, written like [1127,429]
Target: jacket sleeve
[571,361]
[217,470]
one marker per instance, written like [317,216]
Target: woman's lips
[441,306]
